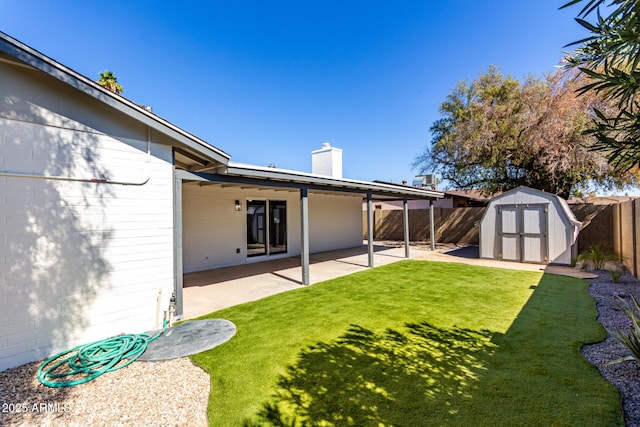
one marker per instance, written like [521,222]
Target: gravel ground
[176,392]
[169,393]
[625,375]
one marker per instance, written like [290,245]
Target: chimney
[327,161]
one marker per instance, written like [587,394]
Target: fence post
[615,229]
[620,239]
[634,246]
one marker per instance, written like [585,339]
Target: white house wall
[214,234]
[213,231]
[81,261]
[335,222]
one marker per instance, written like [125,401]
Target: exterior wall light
[238,206]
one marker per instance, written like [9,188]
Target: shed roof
[562,203]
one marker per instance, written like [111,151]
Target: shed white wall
[560,232]
[81,261]
[213,230]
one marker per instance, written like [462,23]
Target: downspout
[95,180]
[178,268]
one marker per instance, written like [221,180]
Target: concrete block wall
[81,261]
[626,234]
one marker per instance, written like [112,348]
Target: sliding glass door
[277,227]
[266,222]
[256,231]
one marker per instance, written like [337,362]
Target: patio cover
[245,174]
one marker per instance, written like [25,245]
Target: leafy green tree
[610,57]
[109,81]
[497,133]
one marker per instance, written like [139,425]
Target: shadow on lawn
[366,378]
[423,374]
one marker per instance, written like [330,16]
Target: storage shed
[527,225]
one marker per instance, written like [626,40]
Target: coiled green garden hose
[89,361]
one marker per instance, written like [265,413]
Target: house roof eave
[303,178]
[43,63]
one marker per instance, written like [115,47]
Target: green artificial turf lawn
[414,343]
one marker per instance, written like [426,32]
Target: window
[266,222]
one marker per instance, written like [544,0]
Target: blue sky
[268,82]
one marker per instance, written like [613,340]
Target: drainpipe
[94,180]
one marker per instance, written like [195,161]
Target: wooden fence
[452,225]
[597,225]
[608,225]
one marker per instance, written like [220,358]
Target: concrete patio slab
[211,290]
[207,291]
[469,255]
